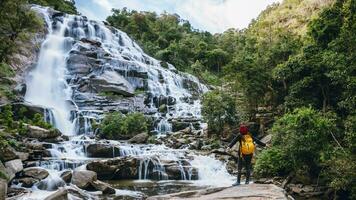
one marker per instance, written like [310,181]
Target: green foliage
[118,126]
[39,121]
[218,109]
[303,135]
[66,6]
[6,70]
[16,24]
[7,117]
[171,39]
[272,162]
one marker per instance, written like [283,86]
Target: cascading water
[79,60]
[47,85]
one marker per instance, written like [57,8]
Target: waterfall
[47,85]
[77,56]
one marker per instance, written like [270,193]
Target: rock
[35,172]
[83,178]
[139,138]
[111,81]
[7,154]
[92,42]
[27,181]
[206,148]
[129,168]
[41,133]
[27,110]
[104,187]
[3,189]
[102,151]
[13,167]
[16,193]
[104,169]
[67,176]
[61,194]
[23,156]
[251,191]
[267,139]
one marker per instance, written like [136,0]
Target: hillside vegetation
[297,59]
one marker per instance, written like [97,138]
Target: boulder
[27,181]
[111,81]
[35,172]
[13,167]
[67,176]
[103,169]
[102,151]
[3,189]
[83,178]
[91,42]
[22,155]
[41,133]
[267,139]
[61,194]
[104,187]
[7,154]
[139,138]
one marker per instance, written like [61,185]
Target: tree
[218,110]
[16,24]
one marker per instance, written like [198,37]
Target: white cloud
[211,15]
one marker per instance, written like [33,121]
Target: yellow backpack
[246,145]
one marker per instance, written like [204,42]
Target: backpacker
[246,145]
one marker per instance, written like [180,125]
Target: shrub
[272,162]
[300,138]
[118,126]
[39,121]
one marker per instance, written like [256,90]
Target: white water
[48,86]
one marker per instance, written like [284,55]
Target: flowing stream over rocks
[86,69]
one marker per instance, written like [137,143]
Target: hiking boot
[236,184]
[247,182]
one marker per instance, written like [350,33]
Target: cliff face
[21,63]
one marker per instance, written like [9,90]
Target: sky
[214,16]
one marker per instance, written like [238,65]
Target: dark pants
[244,160]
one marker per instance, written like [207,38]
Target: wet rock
[16,193]
[102,151]
[35,172]
[67,176]
[92,42]
[139,138]
[83,178]
[129,168]
[7,154]
[61,194]
[13,167]
[110,81]
[3,188]
[27,181]
[41,133]
[104,187]
[104,169]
